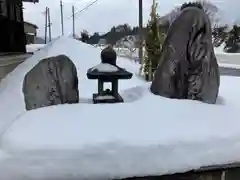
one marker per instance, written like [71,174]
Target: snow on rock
[104,67]
[104,97]
[146,135]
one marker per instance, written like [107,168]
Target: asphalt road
[229,71]
[10,62]
[226,71]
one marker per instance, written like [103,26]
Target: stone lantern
[107,71]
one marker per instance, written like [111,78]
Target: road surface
[9,62]
[229,71]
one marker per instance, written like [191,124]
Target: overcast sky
[106,13]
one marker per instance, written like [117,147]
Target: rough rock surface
[188,67]
[52,81]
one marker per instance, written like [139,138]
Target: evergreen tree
[153,44]
[233,40]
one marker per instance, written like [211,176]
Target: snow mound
[84,56]
[146,135]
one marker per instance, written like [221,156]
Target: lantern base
[107,98]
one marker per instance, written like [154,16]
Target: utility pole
[73,16]
[153,16]
[140,29]
[46,24]
[49,25]
[153,8]
[61,6]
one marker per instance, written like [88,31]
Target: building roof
[30,24]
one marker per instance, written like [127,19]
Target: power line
[83,9]
[73,16]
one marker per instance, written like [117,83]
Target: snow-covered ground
[34,47]
[146,135]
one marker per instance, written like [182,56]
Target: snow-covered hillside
[146,135]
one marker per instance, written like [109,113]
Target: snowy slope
[147,135]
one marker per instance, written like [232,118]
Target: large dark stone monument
[108,71]
[188,67]
[52,81]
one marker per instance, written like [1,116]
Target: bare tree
[210,9]
[174,14]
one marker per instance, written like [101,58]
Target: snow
[229,60]
[34,47]
[228,65]
[104,97]
[220,49]
[146,135]
[32,34]
[105,67]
